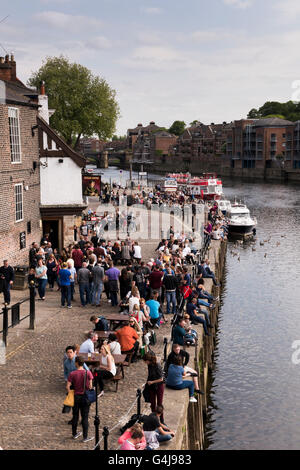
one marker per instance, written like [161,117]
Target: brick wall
[11,174]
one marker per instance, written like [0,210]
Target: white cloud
[99,42]
[241,4]
[152,10]
[288,9]
[149,37]
[56,19]
[210,35]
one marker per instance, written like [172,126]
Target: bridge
[102,158]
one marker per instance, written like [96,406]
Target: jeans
[72,289]
[65,295]
[80,404]
[156,393]
[97,291]
[202,302]
[209,274]
[114,298]
[163,437]
[207,296]
[185,384]
[198,319]
[84,291]
[42,287]
[171,297]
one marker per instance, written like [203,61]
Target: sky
[167,60]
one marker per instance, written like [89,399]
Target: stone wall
[188,419]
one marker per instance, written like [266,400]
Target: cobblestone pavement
[32,386]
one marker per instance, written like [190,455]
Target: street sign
[142,173]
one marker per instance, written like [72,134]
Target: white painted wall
[61,183]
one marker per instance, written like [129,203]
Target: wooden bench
[127,363]
[116,378]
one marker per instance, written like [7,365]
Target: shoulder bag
[90,395]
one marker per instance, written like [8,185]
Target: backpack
[103,324]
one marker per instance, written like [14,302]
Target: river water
[255,391]
[255,386]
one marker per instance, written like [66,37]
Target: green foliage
[177,128]
[280,116]
[195,122]
[253,114]
[159,130]
[84,104]
[289,110]
[118,137]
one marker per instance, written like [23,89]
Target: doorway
[52,227]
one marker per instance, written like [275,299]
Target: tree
[84,104]
[288,110]
[177,128]
[280,116]
[194,123]
[253,114]
[118,137]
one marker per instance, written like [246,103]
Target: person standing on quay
[41,276]
[65,285]
[7,278]
[155,381]
[81,380]
[113,275]
[83,278]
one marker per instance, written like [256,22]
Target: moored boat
[224,206]
[240,221]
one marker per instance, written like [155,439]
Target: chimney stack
[42,88]
[8,68]
[13,67]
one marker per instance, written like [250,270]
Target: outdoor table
[94,359]
[102,335]
[116,319]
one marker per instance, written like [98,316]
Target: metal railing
[15,314]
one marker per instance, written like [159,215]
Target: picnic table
[94,359]
[116,319]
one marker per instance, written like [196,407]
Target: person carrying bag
[82,382]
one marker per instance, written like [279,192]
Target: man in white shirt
[137,252]
[88,345]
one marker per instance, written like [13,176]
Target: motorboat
[240,222]
[224,206]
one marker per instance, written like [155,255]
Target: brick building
[202,142]
[90,145]
[20,220]
[61,202]
[140,132]
[262,143]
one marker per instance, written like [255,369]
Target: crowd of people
[152,292]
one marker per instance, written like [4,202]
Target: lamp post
[97,419]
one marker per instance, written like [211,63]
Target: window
[14,135]
[19,201]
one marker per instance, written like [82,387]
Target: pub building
[40,175]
